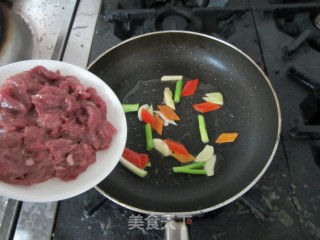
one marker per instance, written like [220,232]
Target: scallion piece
[177,92]
[193,168]
[130,107]
[149,139]
[171,78]
[190,171]
[203,129]
[138,171]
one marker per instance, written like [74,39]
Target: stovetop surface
[284,204]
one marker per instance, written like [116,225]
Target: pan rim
[252,183]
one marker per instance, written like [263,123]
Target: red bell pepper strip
[146,116]
[206,107]
[190,88]
[139,160]
[149,138]
[144,158]
[177,147]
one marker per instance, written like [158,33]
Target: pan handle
[176,231]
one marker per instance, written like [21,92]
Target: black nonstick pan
[133,70]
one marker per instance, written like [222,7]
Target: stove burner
[174,22]
[303,27]
[172,15]
[176,17]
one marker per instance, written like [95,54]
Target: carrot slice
[176,147]
[182,158]
[206,107]
[168,112]
[157,124]
[227,137]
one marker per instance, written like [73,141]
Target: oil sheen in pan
[151,92]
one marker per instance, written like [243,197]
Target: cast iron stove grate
[302,26]
[310,109]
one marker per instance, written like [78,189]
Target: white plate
[56,189]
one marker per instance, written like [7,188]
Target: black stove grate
[284,203]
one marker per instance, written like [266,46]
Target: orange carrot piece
[227,137]
[182,158]
[168,112]
[157,124]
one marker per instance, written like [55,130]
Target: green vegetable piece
[190,171]
[193,168]
[194,165]
[149,139]
[203,129]
[130,107]
[177,92]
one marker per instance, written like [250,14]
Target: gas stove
[283,37]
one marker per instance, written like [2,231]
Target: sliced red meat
[77,161]
[50,126]
[18,93]
[46,74]
[11,139]
[12,165]
[8,102]
[95,117]
[22,81]
[71,85]
[49,98]
[35,139]
[80,116]
[11,121]
[59,149]
[73,130]
[97,100]
[72,104]
[105,132]
[34,175]
[51,120]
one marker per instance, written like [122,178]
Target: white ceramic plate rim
[56,189]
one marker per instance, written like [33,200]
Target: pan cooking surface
[133,71]
[186,131]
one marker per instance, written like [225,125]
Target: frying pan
[133,70]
